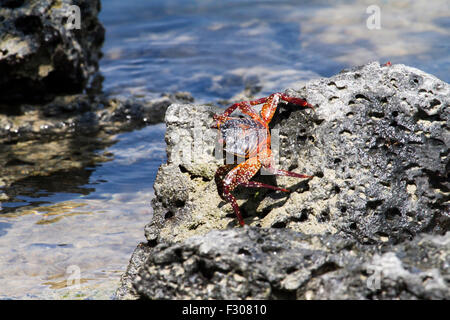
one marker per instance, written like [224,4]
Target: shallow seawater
[214,48]
[63,227]
[91,233]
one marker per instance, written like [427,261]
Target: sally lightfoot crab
[249,138]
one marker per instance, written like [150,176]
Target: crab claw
[214,126]
[310,106]
[302,103]
[297,101]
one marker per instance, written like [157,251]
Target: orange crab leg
[269,108]
[297,101]
[218,177]
[244,107]
[241,174]
[265,157]
[279,172]
[230,198]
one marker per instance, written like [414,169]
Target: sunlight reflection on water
[213,49]
[96,232]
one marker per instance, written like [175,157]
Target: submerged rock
[41,51]
[65,134]
[378,147]
[83,113]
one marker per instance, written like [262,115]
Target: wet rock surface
[82,112]
[378,147]
[41,51]
[66,134]
[138,258]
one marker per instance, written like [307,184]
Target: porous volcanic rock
[256,263]
[378,147]
[41,54]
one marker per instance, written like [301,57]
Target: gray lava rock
[255,263]
[40,52]
[138,258]
[378,146]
